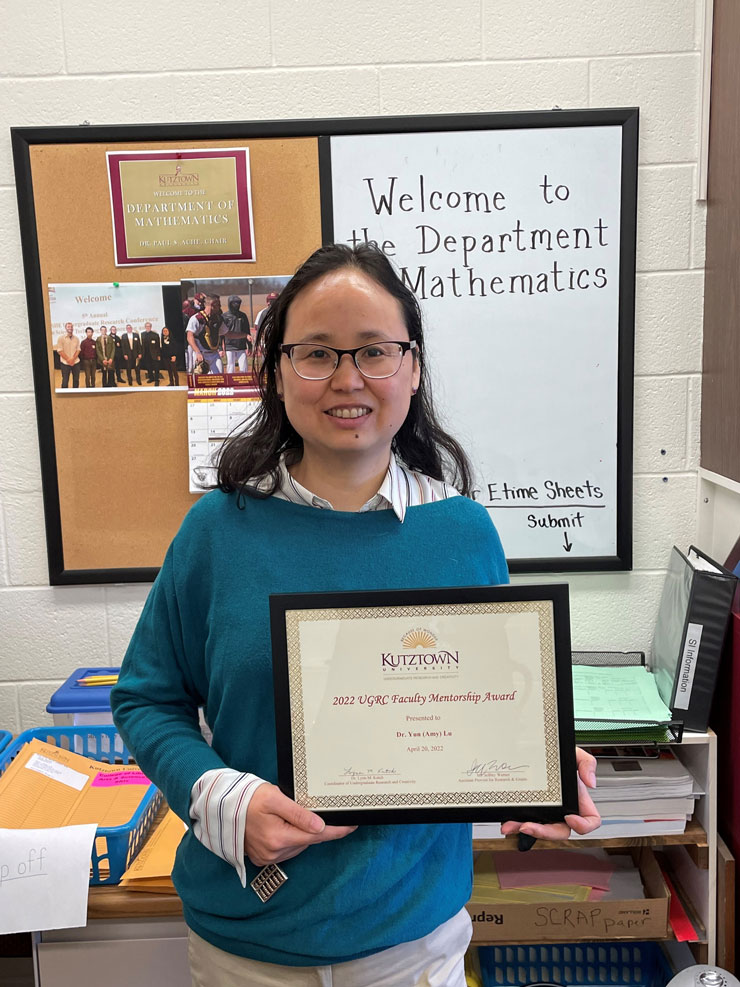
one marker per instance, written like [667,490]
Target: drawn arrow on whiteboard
[568,545]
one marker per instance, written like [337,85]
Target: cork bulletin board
[114,468]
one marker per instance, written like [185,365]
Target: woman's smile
[352,412]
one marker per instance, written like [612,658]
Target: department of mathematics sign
[173,206]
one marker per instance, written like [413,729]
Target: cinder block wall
[75,61]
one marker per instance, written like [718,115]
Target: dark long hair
[421,443]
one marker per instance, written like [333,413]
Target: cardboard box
[645,918]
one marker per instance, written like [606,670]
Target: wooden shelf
[113,902]
[694,835]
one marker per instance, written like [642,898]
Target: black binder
[690,631]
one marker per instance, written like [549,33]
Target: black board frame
[23,139]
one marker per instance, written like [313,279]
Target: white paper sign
[44,878]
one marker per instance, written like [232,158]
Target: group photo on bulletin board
[106,336]
[515,231]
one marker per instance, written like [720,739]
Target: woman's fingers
[584,821]
[278,828]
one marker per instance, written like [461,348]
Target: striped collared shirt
[401,488]
[220,797]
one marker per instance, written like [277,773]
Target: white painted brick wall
[668,321]
[661,406]
[664,213]
[3,551]
[561,28]
[25,538]
[147,35]
[483,87]
[15,367]
[663,515]
[279,93]
[34,45]
[615,611]
[19,458]
[324,32]
[270,59]
[663,86]
[123,605]
[33,698]
[9,709]
[11,268]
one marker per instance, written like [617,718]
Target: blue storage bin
[5,739]
[586,964]
[116,845]
[73,703]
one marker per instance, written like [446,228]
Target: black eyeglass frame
[405,344]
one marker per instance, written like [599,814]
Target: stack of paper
[636,796]
[617,703]
[552,875]
[152,868]
[641,796]
[47,786]
[487,889]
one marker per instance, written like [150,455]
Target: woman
[344,481]
[169,358]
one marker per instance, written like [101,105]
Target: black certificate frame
[556,594]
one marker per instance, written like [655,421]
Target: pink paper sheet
[538,867]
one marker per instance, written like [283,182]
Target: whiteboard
[519,245]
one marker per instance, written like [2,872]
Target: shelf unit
[147,930]
[717,514]
[691,855]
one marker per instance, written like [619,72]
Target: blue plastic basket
[5,739]
[586,964]
[115,845]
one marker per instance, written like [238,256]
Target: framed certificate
[445,705]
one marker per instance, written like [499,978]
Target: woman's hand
[585,821]
[278,828]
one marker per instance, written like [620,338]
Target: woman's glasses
[314,361]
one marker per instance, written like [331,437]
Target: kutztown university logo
[179,178]
[420,657]
[418,638]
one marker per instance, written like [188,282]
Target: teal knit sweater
[203,639]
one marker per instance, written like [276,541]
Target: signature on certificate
[494,766]
[353,773]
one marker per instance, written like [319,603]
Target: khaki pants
[437,960]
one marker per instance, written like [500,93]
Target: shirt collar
[392,494]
